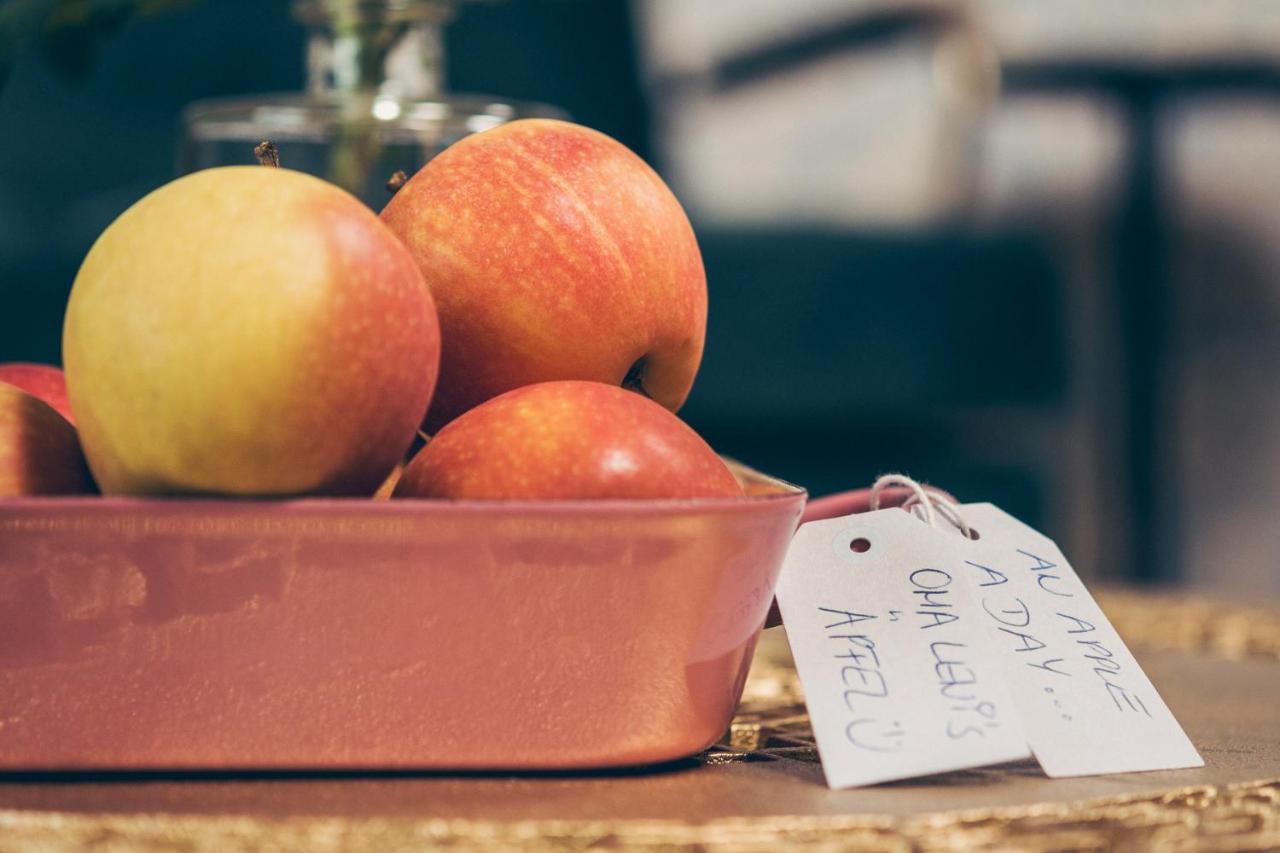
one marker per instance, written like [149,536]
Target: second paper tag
[1085,703]
[899,674]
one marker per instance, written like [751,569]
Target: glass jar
[374,104]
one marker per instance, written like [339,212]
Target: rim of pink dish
[759,489]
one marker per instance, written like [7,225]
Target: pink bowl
[362,634]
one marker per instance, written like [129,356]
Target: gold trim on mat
[1192,624]
[1237,817]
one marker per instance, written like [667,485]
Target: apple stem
[267,153]
[634,380]
[396,181]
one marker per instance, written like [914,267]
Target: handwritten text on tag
[1086,705]
[900,678]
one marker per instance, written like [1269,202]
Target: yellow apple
[248,331]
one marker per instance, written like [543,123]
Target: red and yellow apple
[43,381]
[248,331]
[39,451]
[565,440]
[553,252]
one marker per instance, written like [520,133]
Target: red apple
[248,331]
[44,381]
[553,252]
[39,451]
[567,440]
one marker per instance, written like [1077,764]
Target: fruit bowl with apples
[327,489]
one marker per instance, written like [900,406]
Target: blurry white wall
[1224,186]
[909,131]
[877,134]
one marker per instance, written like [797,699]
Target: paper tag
[1085,704]
[899,676]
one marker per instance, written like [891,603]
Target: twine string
[925,503]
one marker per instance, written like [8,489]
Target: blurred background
[1026,251]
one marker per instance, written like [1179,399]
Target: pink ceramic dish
[359,634]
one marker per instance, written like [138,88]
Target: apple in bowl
[248,331]
[39,451]
[43,381]
[567,440]
[553,253]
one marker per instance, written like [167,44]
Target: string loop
[917,493]
[925,503]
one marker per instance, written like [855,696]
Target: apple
[39,451]
[248,331]
[567,439]
[553,252]
[44,381]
